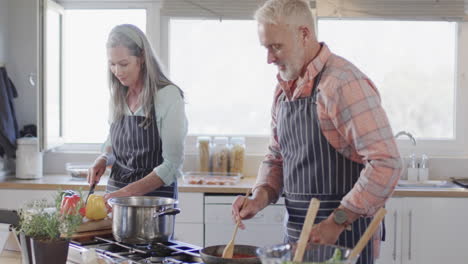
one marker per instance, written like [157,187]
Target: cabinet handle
[410,231]
[395,215]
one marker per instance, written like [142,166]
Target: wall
[21,55]
[3,30]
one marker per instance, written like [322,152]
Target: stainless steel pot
[143,219]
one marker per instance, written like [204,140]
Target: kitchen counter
[55,182]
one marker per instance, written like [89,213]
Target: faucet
[408,134]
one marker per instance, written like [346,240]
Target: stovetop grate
[171,252]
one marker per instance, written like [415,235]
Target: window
[412,64]
[86,90]
[223,70]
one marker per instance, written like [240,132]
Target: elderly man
[331,138]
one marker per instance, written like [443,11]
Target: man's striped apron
[313,168]
[138,151]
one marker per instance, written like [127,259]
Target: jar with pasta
[220,155]
[237,155]
[203,147]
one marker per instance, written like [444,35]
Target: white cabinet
[426,230]
[189,223]
[266,228]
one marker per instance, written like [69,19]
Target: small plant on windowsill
[45,229]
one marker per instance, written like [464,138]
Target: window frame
[152,18]
[158,32]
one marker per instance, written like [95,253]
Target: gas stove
[171,252]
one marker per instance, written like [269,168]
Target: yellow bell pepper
[95,208]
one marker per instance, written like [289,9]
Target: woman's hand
[120,193]
[96,171]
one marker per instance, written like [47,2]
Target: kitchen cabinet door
[390,250]
[435,230]
[189,223]
[189,233]
[425,230]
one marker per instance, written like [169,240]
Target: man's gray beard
[286,76]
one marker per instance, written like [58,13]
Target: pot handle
[170,211]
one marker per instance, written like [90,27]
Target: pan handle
[170,211]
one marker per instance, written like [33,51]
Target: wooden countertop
[55,182]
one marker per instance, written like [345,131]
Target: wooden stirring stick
[306,228]
[228,251]
[368,234]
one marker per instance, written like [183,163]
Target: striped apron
[137,151]
[312,168]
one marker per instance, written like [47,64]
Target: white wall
[21,55]
[3,30]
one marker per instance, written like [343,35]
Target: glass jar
[28,158]
[220,154]
[237,155]
[203,146]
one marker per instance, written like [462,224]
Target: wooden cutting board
[89,235]
[95,225]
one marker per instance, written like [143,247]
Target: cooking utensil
[91,191]
[306,228]
[229,249]
[213,255]
[317,253]
[368,233]
[463,182]
[143,219]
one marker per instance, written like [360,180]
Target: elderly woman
[148,125]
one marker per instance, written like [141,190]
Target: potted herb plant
[45,229]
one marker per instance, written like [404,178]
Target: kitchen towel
[8,125]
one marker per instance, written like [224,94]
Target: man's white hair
[290,12]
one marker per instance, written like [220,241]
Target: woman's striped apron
[138,151]
[313,168]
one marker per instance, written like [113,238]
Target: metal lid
[142,201]
[27,141]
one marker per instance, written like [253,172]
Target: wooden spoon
[368,234]
[228,251]
[306,228]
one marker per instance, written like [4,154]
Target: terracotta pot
[49,252]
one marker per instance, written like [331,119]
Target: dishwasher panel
[266,228]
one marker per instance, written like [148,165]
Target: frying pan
[212,255]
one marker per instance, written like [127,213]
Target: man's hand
[326,232]
[252,206]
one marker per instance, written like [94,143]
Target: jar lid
[220,140]
[237,140]
[203,139]
[27,141]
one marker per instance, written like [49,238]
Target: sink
[426,184]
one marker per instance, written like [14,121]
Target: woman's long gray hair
[153,76]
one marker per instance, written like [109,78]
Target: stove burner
[154,260]
[158,253]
